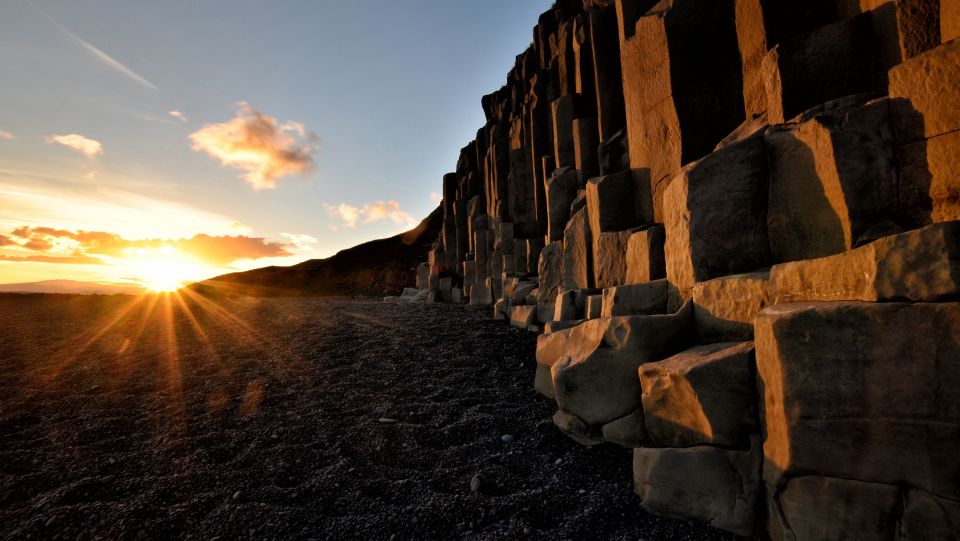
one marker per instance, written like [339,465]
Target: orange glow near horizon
[165,269]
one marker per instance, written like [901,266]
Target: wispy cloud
[257,143]
[178,115]
[66,259]
[4,134]
[350,215]
[90,148]
[98,54]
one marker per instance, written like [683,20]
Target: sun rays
[172,330]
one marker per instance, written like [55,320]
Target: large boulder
[716,215]
[862,391]
[832,178]
[577,253]
[829,62]
[611,203]
[714,485]
[919,265]
[701,396]
[645,255]
[610,258]
[628,431]
[635,299]
[724,308]
[923,92]
[595,376]
[815,507]
[550,274]
[682,95]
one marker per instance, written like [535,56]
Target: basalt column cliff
[733,221]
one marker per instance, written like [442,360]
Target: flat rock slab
[283,413]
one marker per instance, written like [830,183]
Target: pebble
[506,438]
[476,482]
[386,421]
[237,495]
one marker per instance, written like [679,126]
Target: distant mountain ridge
[74,287]
[377,267]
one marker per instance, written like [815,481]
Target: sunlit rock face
[687,187]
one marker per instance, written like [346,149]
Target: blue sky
[386,93]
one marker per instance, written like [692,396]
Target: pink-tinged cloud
[178,115]
[4,134]
[377,211]
[258,144]
[216,250]
[90,148]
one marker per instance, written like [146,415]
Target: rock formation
[733,221]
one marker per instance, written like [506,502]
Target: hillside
[71,287]
[372,268]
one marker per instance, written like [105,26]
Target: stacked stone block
[733,221]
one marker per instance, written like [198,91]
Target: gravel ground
[166,417]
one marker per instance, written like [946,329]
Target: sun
[165,271]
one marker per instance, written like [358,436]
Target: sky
[160,142]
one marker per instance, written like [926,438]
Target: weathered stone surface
[562,189]
[714,485]
[610,258]
[585,145]
[501,309]
[577,253]
[595,377]
[681,96]
[701,396]
[635,299]
[481,294]
[611,203]
[550,273]
[924,91]
[645,261]
[627,431]
[423,275]
[565,307]
[519,294]
[724,308]
[556,326]
[949,20]
[594,306]
[716,215]
[815,507]
[930,179]
[576,428]
[534,246]
[831,179]
[919,265]
[562,111]
[926,516]
[862,391]
[523,316]
[832,61]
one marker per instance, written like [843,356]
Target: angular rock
[926,516]
[716,215]
[423,276]
[701,396]
[577,253]
[585,145]
[815,507]
[550,274]
[831,179]
[562,189]
[565,307]
[556,326]
[594,306]
[681,96]
[523,316]
[481,294]
[930,179]
[576,428]
[724,308]
[610,258]
[563,113]
[645,261]
[611,203]
[949,20]
[595,375]
[627,431]
[862,391]
[921,265]
[710,484]
[519,294]
[924,91]
[834,60]
[636,299]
